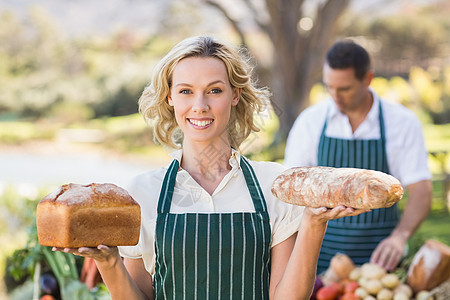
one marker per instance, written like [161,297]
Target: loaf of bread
[430,266]
[330,187]
[88,215]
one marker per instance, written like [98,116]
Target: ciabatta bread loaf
[330,187]
[88,215]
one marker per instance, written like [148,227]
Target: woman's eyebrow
[190,85]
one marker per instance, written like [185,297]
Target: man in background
[356,129]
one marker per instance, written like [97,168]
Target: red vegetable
[351,286]
[330,292]
[317,285]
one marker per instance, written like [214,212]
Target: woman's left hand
[323,214]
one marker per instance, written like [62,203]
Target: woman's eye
[216,91]
[184,92]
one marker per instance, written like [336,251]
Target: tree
[297,61]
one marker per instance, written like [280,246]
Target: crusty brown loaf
[430,266]
[88,215]
[330,187]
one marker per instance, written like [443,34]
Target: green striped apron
[212,255]
[359,235]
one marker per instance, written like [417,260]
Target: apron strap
[383,139]
[165,196]
[253,186]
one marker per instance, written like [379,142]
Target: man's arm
[390,250]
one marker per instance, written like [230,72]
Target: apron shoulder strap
[253,186]
[165,196]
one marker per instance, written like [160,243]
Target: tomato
[351,286]
[330,292]
[350,296]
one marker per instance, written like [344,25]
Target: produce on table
[351,287]
[361,292]
[366,282]
[342,265]
[372,271]
[373,286]
[400,296]
[340,268]
[423,295]
[349,296]
[385,294]
[404,289]
[329,292]
[390,281]
[355,274]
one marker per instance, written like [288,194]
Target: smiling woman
[210,226]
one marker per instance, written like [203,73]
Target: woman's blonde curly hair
[154,106]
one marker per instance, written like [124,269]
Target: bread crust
[330,187]
[88,215]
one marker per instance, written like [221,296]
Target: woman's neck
[203,158]
[207,163]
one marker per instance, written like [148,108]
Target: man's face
[347,91]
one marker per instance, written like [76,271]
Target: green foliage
[410,48]
[20,132]
[22,263]
[42,70]
[399,41]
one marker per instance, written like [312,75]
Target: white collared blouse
[231,195]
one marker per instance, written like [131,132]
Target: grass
[436,226]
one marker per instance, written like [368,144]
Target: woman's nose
[200,104]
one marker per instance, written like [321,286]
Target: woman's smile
[200,123]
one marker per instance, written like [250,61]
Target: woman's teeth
[201,123]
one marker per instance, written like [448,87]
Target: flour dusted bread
[330,187]
[88,215]
[430,266]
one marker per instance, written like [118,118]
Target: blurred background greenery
[70,86]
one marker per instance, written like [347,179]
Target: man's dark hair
[347,54]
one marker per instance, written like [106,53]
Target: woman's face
[202,96]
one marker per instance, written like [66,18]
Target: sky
[102,17]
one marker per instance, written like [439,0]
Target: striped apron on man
[212,255]
[356,236]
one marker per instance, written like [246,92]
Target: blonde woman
[211,228]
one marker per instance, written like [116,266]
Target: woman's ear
[236,96]
[169,99]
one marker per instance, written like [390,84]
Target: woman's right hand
[102,254]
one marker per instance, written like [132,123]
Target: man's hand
[389,252]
